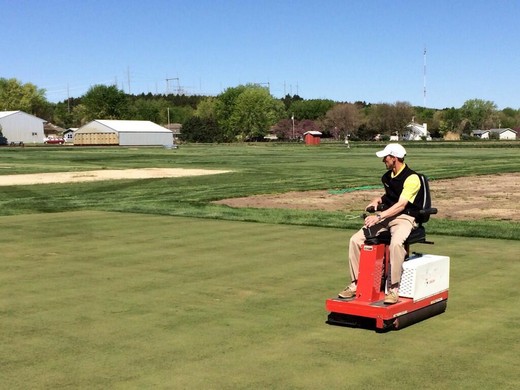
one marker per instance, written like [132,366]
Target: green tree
[509,117]
[80,115]
[255,112]
[207,108]
[224,108]
[288,100]
[181,114]
[311,109]
[3,140]
[449,121]
[148,110]
[479,114]
[247,111]
[14,95]
[423,114]
[105,102]
[198,129]
[387,119]
[63,116]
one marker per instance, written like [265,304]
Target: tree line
[250,112]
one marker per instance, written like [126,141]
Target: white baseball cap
[395,150]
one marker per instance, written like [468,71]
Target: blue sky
[343,50]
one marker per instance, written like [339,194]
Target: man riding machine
[391,287]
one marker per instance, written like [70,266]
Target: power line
[168,85]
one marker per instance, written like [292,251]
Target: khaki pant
[400,228]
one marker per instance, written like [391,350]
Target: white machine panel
[424,275]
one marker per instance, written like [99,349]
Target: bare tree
[390,118]
[342,119]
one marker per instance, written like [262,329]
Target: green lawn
[257,169]
[146,284]
[118,300]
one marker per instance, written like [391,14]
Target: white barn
[18,126]
[123,133]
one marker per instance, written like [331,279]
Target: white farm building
[123,133]
[18,126]
[498,133]
[416,132]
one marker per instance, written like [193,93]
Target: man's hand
[376,202]
[371,220]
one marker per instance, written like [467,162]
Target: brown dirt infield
[494,197]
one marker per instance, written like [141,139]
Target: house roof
[123,126]
[417,128]
[414,124]
[500,131]
[4,114]
[49,127]
[174,127]
[496,131]
[133,126]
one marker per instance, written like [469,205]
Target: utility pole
[128,77]
[68,99]
[292,118]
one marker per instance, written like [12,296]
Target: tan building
[123,133]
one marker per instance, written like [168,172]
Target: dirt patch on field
[489,197]
[105,174]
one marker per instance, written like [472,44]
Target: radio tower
[424,77]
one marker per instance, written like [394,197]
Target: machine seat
[416,236]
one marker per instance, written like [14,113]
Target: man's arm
[396,209]
[410,189]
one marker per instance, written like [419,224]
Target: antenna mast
[424,77]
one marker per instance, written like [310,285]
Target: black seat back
[426,209]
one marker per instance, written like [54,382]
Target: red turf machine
[423,291]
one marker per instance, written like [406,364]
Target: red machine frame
[367,308]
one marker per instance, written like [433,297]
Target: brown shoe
[391,298]
[348,292]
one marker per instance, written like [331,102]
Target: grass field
[143,301]
[144,284]
[257,169]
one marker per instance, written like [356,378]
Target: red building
[312,137]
